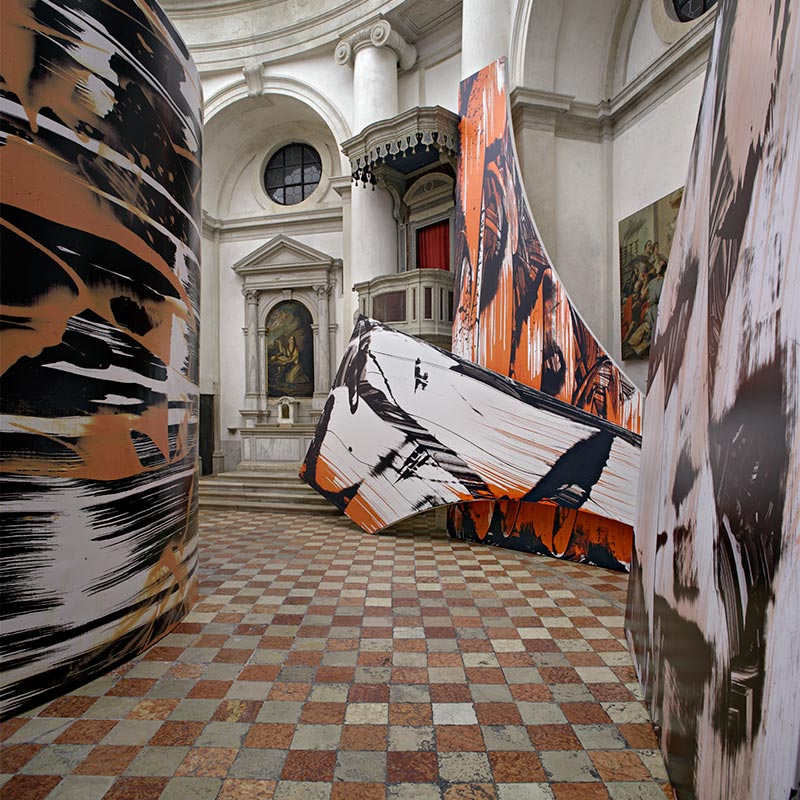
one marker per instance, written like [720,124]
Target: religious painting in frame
[290,351]
[645,239]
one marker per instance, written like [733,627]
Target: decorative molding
[318,220]
[427,126]
[376,34]
[568,118]
[254,78]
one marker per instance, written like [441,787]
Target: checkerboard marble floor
[322,663]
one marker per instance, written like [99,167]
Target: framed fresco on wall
[645,239]
[290,351]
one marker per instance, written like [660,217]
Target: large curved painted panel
[514,316]
[714,596]
[408,427]
[100,165]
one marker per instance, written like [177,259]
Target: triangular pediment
[282,254]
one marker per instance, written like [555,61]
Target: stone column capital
[322,291]
[251,295]
[376,34]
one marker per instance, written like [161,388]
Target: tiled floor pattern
[321,663]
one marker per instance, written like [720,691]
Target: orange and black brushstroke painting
[99,327]
[513,316]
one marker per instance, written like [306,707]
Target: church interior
[401,400]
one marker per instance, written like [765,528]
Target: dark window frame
[690,10]
[292,173]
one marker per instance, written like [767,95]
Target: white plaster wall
[441,83]
[581,229]
[650,159]
[209,316]
[646,45]
[582,51]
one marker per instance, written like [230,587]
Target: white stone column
[322,372]
[251,348]
[263,406]
[485,33]
[374,53]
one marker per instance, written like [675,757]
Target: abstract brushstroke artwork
[513,316]
[100,165]
[408,427]
[714,599]
[645,239]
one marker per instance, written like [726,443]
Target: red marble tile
[335,674]
[210,690]
[639,735]
[610,692]
[411,767]
[271,736]
[86,731]
[131,687]
[485,675]
[241,789]
[450,693]
[69,706]
[358,791]
[585,713]
[107,760]
[619,765]
[459,738]
[368,693]
[498,714]
[259,672]
[512,767]
[136,789]
[207,762]
[153,709]
[531,692]
[323,713]
[363,737]
[11,726]
[309,765]
[13,757]
[410,714]
[289,691]
[553,737]
[29,787]
[175,733]
[559,675]
[232,656]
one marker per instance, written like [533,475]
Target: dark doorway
[206,433]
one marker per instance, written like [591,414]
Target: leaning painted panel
[100,166]
[408,427]
[513,316]
[714,607]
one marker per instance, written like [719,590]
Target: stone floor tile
[352,666]
[258,763]
[192,789]
[359,766]
[568,766]
[465,767]
[156,761]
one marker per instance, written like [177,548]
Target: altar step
[274,488]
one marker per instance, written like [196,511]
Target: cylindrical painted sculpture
[100,166]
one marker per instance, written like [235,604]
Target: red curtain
[433,246]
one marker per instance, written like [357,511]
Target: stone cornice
[322,220]
[376,34]
[569,118]
[427,126]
